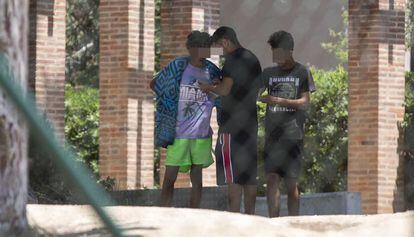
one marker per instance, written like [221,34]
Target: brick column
[127,109]
[178,19]
[376,94]
[47,40]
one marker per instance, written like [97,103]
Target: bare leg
[273,194]
[196,176]
[250,193]
[168,185]
[235,194]
[293,196]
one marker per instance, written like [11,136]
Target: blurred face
[217,51]
[281,56]
[223,44]
[199,53]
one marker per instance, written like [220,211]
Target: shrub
[82,124]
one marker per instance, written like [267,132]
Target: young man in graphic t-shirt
[288,85]
[190,148]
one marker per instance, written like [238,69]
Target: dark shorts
[236,158]
[283,157]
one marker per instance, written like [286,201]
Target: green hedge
[408,142]
[82,124]
[326,141]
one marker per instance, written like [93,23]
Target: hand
[204,87]
[265,99]
[216,81]
[270,99]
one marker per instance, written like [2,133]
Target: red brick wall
[376,88]
[178,19]
[127,108]
[47,41]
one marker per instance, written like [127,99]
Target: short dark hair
[281,39]
[197,39]
[225,32]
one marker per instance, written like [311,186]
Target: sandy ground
[154,221]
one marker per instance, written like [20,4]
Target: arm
[222,88]
[152,84]
[300,103]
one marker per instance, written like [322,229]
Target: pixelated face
[217,51]
[199,52]
[281,56]
[224,45]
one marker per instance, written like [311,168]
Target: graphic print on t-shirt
[283,87]
[194,106]
[192,98]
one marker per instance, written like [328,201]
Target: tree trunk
[13,132]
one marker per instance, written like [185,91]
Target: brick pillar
[376,94]
[178,19]
[127,109]
[47,40]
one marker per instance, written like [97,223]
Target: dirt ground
[154,221]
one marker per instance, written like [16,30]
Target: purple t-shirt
[194,106]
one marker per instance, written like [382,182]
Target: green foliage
[82,124]
[339,44]
[108,183]
[409,99]
[46,181]
[410,24]
[82,42]
[326,140]
[407,144]
[407,125]
[82,134]
[326,129]
[157,39]
[261,113]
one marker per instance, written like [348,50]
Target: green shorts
[188,152]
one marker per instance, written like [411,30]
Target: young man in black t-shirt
[288,85]
[236,149]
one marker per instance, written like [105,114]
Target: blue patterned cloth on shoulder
[167,91]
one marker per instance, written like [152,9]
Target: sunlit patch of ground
[153,221]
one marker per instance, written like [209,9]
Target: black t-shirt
[239,110]
[283,122]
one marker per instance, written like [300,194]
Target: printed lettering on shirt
[283,87]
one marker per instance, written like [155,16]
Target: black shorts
[283,157]
[236,158]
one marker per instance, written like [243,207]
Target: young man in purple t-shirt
[190,150]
